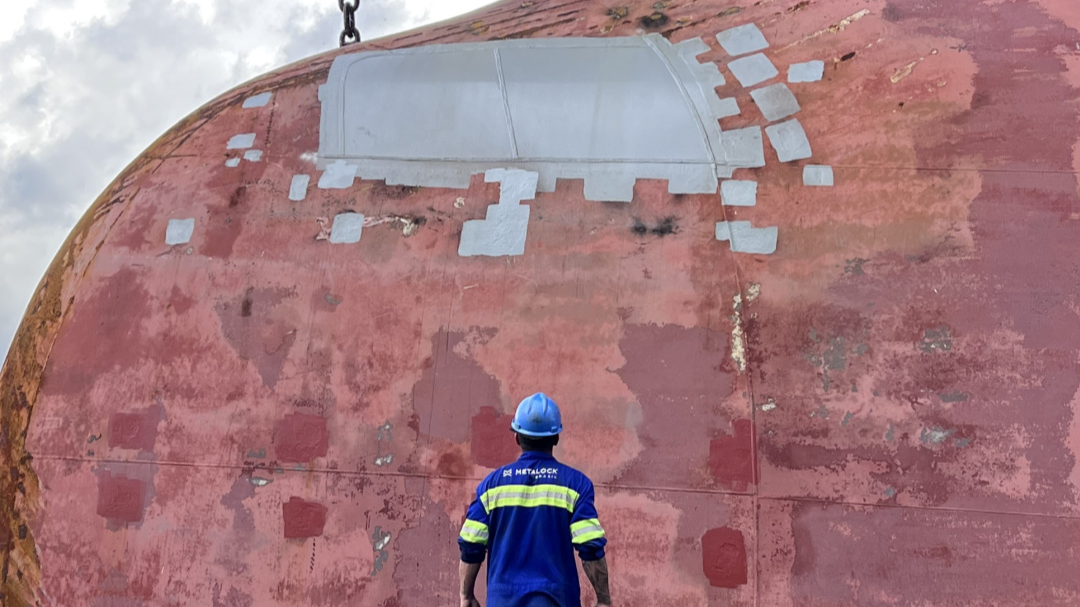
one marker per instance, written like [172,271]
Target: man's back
[531,515]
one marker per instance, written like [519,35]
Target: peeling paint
[381,541]
[938,339]
[935,435]
[837,27]
[738,338]
[904,71]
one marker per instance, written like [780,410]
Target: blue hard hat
[537,415]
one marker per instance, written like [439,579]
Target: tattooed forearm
[598,574]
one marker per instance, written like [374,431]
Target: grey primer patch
[347,229]
[752,70]
[817,175]
[253,155]
[745,147]
[179,231]
[259,100]
[232,163]
[298,187]
[504,229]
[789,140]
[606,110]
[775,101]
[742,40]
[338,176]
[738,193]
[811,71]
[241,142]
[747,239]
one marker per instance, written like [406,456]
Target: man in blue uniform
[530,516]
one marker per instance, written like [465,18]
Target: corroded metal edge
[28,355]
[20,383]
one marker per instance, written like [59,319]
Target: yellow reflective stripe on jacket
[529,496]
[474,532]
[586,530]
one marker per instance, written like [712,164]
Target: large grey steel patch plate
[609,111]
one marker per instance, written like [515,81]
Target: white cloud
[85,85]
[12,15]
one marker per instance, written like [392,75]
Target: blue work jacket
[530,516]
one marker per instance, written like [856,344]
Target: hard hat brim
[534,434]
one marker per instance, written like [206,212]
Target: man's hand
[471,602]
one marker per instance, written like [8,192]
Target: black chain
[348,10]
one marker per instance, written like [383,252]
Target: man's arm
[598,576]
[473,541]
[468,572]
[589,539]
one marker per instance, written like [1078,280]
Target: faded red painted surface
[884,412]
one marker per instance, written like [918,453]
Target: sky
[86,85]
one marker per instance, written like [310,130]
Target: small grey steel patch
[742,40]
[775,101]
[752,70]
[817,175]
[736,193]
[725,108]
[179,231]
[338,176]
[298,187]
[707,73]
[348,227]
[789,140]
[232,163]
[747,239]
[811,71]
[253,155]
[744,147]
[506,225]
[259,100]
[241,142]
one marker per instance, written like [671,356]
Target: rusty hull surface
[884,412]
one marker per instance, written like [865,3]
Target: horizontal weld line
[608,486]
[944,509]
[958,169]
[241,467]
[371,473]
[615,487]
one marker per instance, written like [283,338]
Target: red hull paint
[262,418]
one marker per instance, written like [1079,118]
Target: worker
[530,516]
